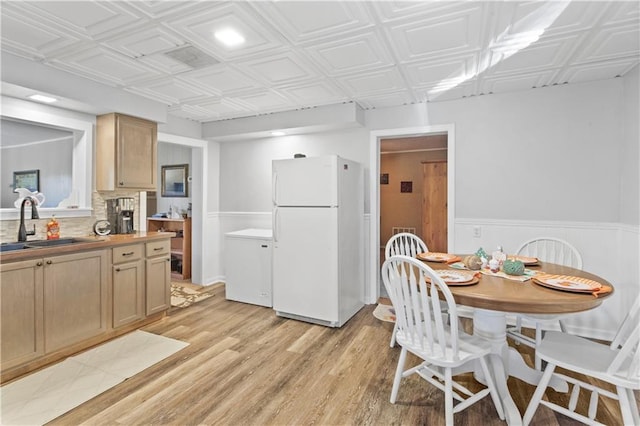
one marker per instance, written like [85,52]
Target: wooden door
[434,205]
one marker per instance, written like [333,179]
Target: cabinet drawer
[127,253]
[157,248]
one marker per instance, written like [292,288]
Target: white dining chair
[617,364]
[546,249]
[423,331]
[407,244]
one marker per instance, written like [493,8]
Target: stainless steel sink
[44,243]
[12,246]
[49,243]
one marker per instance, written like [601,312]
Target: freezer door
[309,181]
[305,262]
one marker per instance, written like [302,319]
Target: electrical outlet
[477,232]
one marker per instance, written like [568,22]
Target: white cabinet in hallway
[248,266]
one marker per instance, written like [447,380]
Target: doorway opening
[405,163]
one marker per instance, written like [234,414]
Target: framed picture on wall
[29,179]
[384,179]
[406,186]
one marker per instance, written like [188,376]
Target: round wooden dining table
[493,297]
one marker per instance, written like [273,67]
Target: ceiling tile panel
[29,40]
[428,73]
[390,11]
[101,65]
[352,54]
[598,71]
[217,109]
[431,39]
[201,26]
[221,80]
[314,93]
[146,42]
[548,54]
[265,101]
[169,91]
[382,81]
[312,20]
[612,43]
[283,68]
[163,64]
[85,18]
[514,83]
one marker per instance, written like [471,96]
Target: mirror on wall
[58,145]
[35,157]
[175,182]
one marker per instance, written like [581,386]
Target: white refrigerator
[318,210]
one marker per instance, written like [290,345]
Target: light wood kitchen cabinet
[126,153]
[128,284]
[75,298]
[180,244]
[158,276]
[21,312]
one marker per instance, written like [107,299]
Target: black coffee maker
[120,214]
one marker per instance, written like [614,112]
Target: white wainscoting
[609,250]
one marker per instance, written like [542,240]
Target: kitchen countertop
[88,243]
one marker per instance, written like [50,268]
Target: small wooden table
[493,297]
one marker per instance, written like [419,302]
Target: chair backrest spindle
[415,291]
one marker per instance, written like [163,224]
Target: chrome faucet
[22,231]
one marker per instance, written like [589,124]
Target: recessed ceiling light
[42,98]
[229,37]
[278,133]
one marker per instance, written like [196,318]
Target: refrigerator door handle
[275,224]
[274,188]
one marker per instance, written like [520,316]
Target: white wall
[545,161]
[545,152]
[169,155]
[630,154]
[245,167]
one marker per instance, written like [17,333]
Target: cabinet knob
[121,183]
[49,262]
[168,260]
[129,253]
[39,264]
[157,248]
[117,269]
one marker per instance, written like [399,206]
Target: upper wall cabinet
[126,153]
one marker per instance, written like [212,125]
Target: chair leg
[628,413]
[393,335]
[518,329]
[492,388]
[537,395]
[634,407]
[563,327]
[448,397]
[538,361]
[398,376]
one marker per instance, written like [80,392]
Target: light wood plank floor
[245,366]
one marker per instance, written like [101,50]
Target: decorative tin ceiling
[303,54]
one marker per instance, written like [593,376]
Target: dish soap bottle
[53,229]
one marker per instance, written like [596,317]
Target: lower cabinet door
[21,312]
[128,293]
[158,284]
[75,298]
